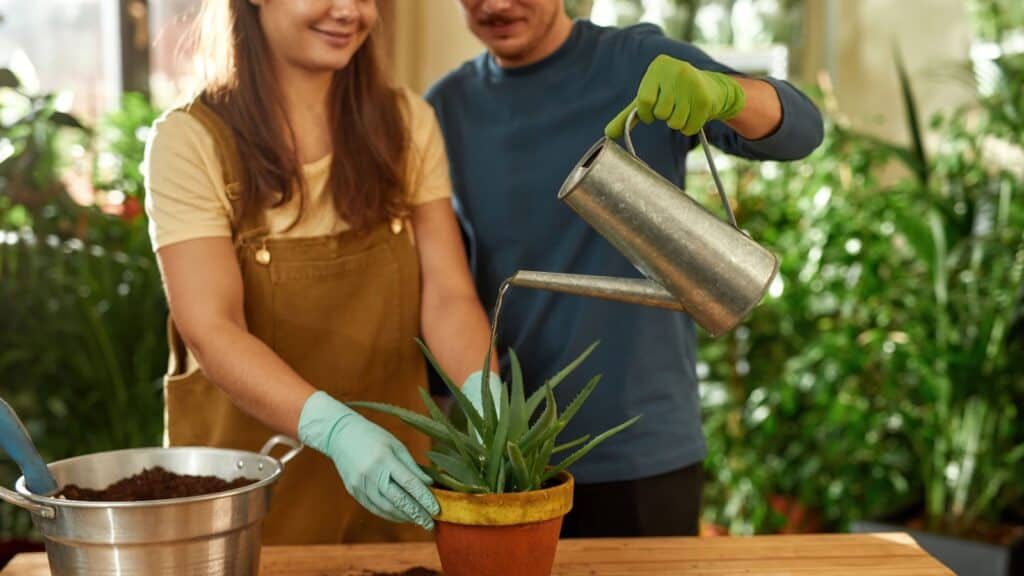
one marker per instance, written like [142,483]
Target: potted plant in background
[502,502]
[82,311]
[881,380]
[965,335]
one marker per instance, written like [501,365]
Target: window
[34,41]
[170,68]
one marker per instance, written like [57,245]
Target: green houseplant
[34,132]
[884,372]
[502,501]
[966,337]
[81,304]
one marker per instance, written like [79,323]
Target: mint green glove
[473,389]
[685,97]
[377,469]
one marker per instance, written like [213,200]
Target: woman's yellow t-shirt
[186,196]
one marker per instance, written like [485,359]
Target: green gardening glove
[685,97]
[473,389]
[375,467]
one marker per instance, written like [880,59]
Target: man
[515,120]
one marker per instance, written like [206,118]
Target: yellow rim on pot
[506,509]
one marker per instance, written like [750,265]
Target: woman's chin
[327,63]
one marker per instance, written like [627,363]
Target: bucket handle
[278,440]
[631,122]
[20,501]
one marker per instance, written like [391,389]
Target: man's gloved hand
[473,389]
[685,97]
[377,469]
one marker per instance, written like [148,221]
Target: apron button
[396,225]
[263,255]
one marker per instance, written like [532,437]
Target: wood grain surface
[825,554]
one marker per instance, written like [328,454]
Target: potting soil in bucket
[154,484]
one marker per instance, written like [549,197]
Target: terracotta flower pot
[799,518]
[512,534]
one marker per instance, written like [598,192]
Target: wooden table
[829,555]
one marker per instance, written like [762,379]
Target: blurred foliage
[997,20]
[82,344]
[118,151]
[32,131]
[884,370]
[579,8]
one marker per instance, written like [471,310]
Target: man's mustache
[495,20]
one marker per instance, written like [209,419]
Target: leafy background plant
[81,309]
[884,373]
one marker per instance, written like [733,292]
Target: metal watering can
[694,261]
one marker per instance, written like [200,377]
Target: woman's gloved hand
[473,389]
[685,97]
[377,469]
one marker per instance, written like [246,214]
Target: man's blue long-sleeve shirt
[512,137]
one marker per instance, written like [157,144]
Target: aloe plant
[505,450]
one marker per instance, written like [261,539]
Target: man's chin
[508,49]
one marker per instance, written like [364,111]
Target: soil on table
[418,571]
[154,484]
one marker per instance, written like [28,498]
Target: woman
[283,203]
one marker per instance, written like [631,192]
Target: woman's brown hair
[368,162]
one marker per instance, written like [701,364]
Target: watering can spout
[693,261]
[629,290]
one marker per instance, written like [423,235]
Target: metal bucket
[215,534]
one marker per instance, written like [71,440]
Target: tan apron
[342,311]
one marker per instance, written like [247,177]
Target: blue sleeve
[800,132]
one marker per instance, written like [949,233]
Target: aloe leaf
[498,442]
[519,470]
[570,445]
[534,400]
[454,484]
[457,468]
[500,486]
[433,472]
[548,418]
[546,427]
[578,401]
[475,420]
[520,418]
[539,454]
[463,443]
[442,479]
[490,417]
[490,414]
[417,421]
[541,460]
[569,461]
[432,408]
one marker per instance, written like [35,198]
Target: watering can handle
[631,122]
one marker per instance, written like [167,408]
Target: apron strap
[233,176]
[233,172]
